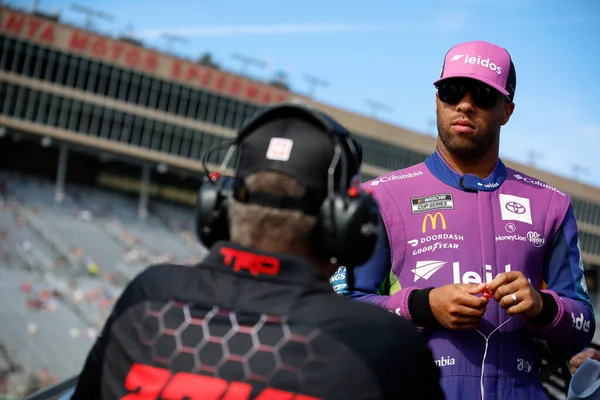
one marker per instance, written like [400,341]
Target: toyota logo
[515,207]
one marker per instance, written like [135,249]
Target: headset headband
[283,110]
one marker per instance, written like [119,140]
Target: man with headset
[258,318]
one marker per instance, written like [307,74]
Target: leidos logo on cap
[477,60]
[481,61]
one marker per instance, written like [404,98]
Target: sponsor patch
[424,269]
[433,202]
[444,361]
[580,323]
[280,149]
[538,183]
[535,239]
[393,177]
[515,208]
[339,281]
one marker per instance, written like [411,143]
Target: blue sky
[391,51]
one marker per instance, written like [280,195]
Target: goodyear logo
[433,219]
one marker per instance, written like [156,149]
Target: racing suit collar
[258,264]
[467,182]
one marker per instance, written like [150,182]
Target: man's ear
[508,110]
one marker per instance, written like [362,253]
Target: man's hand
[580,358]
[515,294]
[456,307]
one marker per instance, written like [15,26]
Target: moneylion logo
[433,219]
[424,269]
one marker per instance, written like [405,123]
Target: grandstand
[51,291]
[100,142]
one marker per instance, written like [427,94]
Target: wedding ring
[514,297]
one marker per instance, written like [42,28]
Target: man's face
[469,116]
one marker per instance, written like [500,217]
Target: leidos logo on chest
[473,277]
[433,202]
[425,269]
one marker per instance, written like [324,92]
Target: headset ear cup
[212,220]
[347,229]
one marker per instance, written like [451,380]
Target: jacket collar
[257,264]
[467,182]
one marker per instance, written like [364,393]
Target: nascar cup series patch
[432,202]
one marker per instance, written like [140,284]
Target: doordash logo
[486,63]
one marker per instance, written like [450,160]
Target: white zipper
[486,338]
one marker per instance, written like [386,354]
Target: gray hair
[270,229]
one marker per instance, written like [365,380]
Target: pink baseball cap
[484,62]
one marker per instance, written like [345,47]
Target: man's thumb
[475,288]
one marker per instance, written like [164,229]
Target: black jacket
[249,325]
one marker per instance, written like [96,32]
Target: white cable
[485,354]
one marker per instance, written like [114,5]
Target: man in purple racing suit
[482,258]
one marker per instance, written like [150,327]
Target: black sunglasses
[484,96]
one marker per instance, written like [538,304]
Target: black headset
[348,220]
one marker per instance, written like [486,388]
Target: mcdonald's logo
[433,218]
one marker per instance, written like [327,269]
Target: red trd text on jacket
[151,383]
[254,263]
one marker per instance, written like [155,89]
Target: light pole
[91,13]
[247,61]
[313,83]
[376,106]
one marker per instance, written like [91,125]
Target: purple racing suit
[444,228]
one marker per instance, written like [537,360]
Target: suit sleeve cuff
[420,310]
[549,311]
